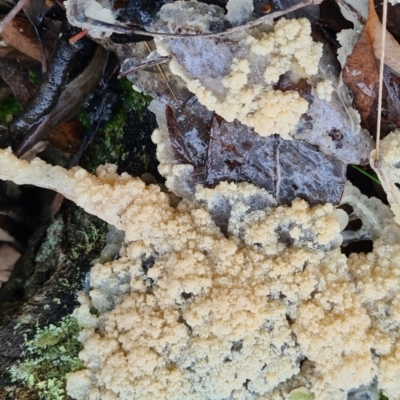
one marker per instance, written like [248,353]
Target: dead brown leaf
[21,34]
[361,75]
[67,136]
[14,70]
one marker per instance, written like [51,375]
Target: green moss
[84,119]
[113,130]
[49,357]
[132,99]
[9,107]
[94,311]
[35,77]
[108,144]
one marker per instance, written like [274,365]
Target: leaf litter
[203,146]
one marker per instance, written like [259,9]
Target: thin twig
[380,87]
[148,64]
[78,36]
[165,79]
[13,12]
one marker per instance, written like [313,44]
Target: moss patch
[8,108]
[108,145]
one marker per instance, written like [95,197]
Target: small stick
[152,63]
[165,79]
[380,87]
[73,39]
[10,16]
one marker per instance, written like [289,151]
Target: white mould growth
[373,214]
[239,10]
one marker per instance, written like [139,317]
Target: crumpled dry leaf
[361,75]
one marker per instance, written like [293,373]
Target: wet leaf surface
[142,12]
[189,133]
[286,169]
[234,152]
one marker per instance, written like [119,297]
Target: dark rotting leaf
[234,152]
[141,12]
[332,18]
[124,38]
[35,10]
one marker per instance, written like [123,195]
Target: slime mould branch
[27,128]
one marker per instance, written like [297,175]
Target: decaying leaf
[14,70]
[361,73]
[20,34]
[235,153]
[67,136]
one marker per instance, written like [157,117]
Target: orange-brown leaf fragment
[361,74]
[67,136]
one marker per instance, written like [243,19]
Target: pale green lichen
[301,393]
[52,240]
[89,236]
[48,358]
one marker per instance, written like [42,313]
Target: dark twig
[146,64]
[78,36]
